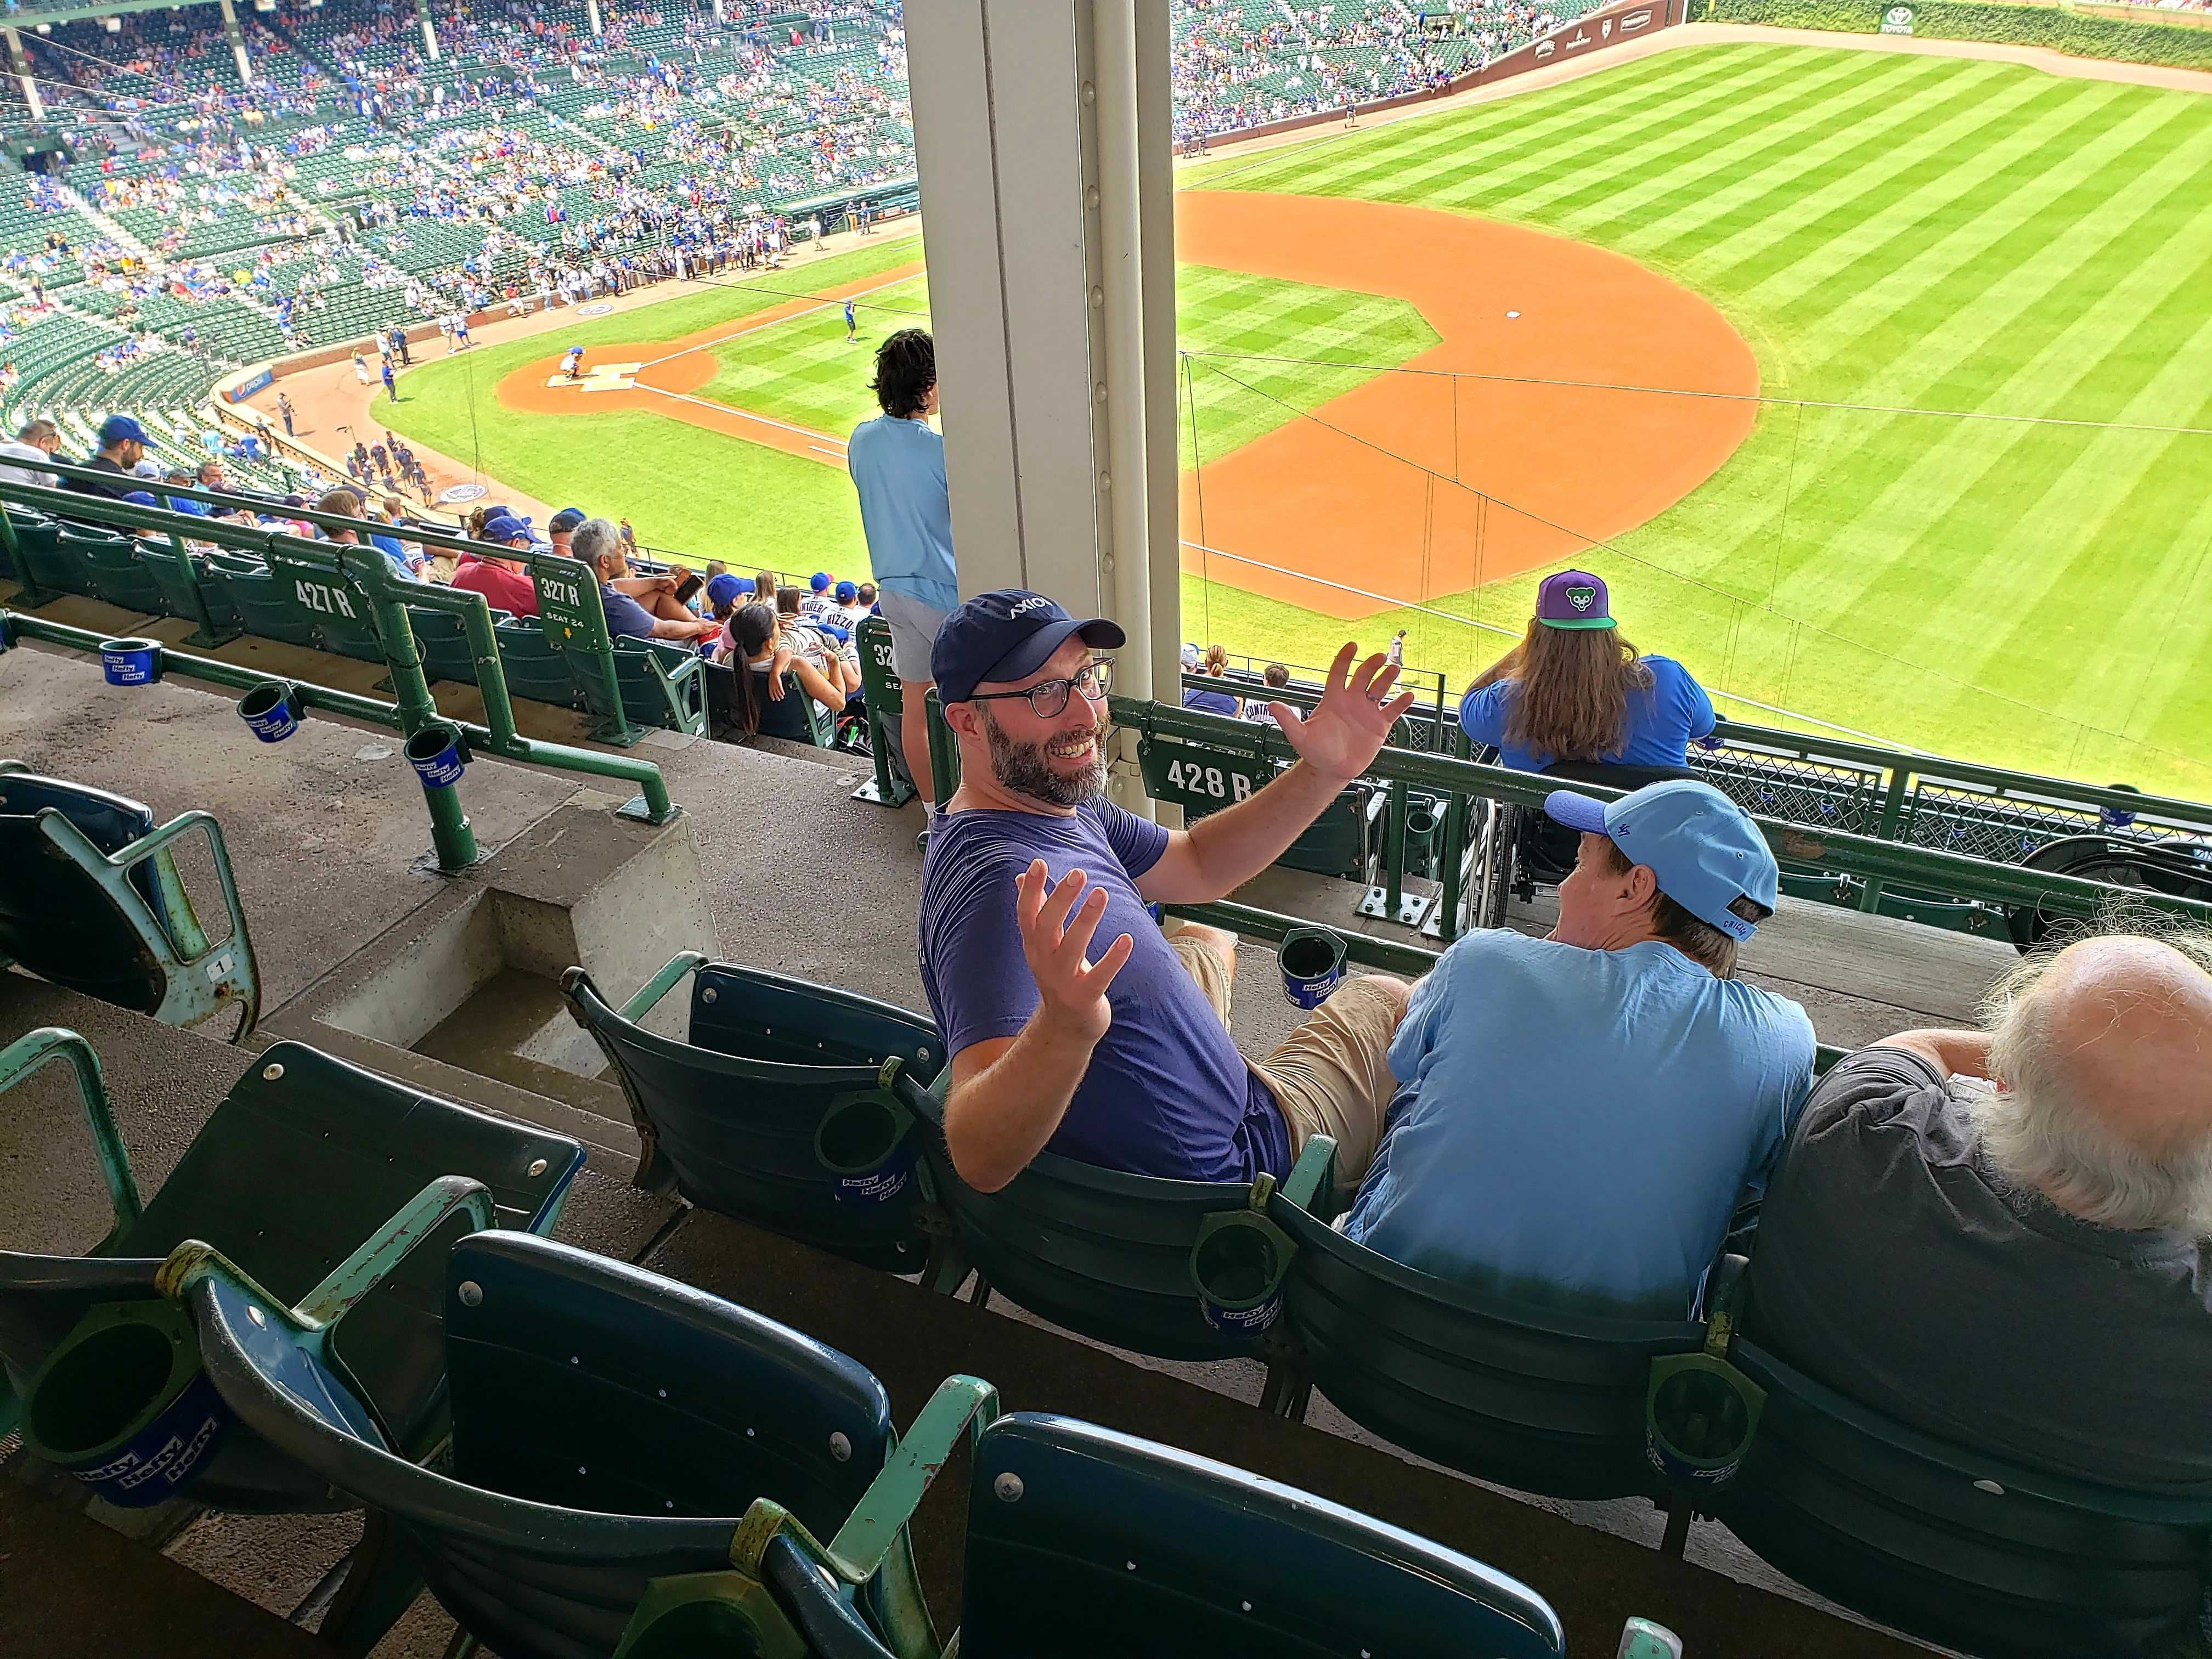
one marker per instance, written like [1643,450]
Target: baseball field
[1880,388]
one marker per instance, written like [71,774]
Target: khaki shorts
[1332,1075]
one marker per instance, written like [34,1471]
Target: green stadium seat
[1968,1551]
[792,718]
[1531,1399]
[262,604]
[343,624]
[885,696]
[1132,1548]
[53,567]
[90,899]
[1343,839]
[695,1437]
[535,668]
[118,575]
[662,684]
[303,1163]
[573,620]
[1095,1251]
[443,642]
[783,1108]
[189,590]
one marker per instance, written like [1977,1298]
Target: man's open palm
[1055,939]
[1340,737]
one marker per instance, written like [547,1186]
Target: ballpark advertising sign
[1898,20]
[1591,34]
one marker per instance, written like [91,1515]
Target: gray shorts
[914,630]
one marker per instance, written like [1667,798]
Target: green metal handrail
[1866,856]
[365,569]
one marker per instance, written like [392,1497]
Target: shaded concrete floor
[326,832]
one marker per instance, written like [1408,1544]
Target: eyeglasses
[1047,699]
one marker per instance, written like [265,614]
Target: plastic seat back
[1096,1251]
[307,1155]
[329,606]
[777,1073]
[1542,1403]
[1335,844]
[179,588]
[1083,1540]
[57,920]
[1966,1550]
[262,605]
[534,666]
[117,575]
[645,697]
[444,644]
[53,567]
[792,718]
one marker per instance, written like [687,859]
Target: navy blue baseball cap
[1007,634]
[1705,850]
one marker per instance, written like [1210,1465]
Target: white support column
[1042,138]
[430,32]
[22,67]
[237,38]
[591,14]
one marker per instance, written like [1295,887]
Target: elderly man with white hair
[2001,1237]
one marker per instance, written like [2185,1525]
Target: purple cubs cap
[1573,598]
[1707,854]
[1006,635]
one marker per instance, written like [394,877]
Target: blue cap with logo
[120,428]
[1707,854]
[1007,634]
[818,582]
[505,527]
[725,587]
[846,592]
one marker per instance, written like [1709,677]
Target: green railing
[331,578]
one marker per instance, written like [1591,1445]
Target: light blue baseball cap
[1706,852]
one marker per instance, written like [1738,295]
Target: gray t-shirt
[1894,1265]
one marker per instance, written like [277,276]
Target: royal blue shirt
[625,615]
[1573,1128]
[1212,702]
[898,472]
[1167,1092]
[1661,722]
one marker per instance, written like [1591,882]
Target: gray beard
[1024,769]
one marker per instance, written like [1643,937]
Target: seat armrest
[650,994]
[35,1049]
[962,1406]
[1314,1175]
[392,1244]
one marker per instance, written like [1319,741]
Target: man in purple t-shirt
[1127,1061]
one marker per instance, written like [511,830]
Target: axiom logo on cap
[1032,603]
[1582,597]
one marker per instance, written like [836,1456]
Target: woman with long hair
[759,660]
[1575,690]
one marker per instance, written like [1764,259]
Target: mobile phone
[686,588]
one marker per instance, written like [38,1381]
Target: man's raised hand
[1073,989]
[1340,738]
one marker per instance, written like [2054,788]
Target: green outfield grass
[1897,234]
[802,371]
[767,507]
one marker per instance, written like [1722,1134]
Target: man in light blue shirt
[897,464]
[1577,1116]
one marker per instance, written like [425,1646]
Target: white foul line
[824,438]
[740,334]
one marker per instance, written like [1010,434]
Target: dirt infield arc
[1415,483]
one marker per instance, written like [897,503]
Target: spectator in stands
[725,596]
[598,544]
[1215,662]
[345,504]
[846,610]
[1125,1062]
[756,652]
[1275,677]
[1579,1115]
[1574,689]
[897,464]
[122,447]
[811,642]
[815,604]
[284,409]
[182,479]
[35,442]
[211,476]
[2000,1237]
[504,581]
[561,529]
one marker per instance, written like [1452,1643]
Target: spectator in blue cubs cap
[562,527]
[122,447]
[1580,1113]
[1127,1061]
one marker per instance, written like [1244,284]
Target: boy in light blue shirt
[897,464]
[1577,1116]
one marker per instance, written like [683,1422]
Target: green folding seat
[662,683]
[261,605]
[318,1181]
[792,718]
[443,643]
[331,605]
[118,576]
[53,567]
[192,591]
[788,1105]
[534,666]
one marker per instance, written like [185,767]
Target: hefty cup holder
[1238,1266]
[692,1613]
[272,710]
[1699,1415]
[2114,817]
[1312,962]
[439,753]
[862,1141]
[123,1405]
[130,662]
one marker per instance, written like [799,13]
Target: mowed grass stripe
[1974,234]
